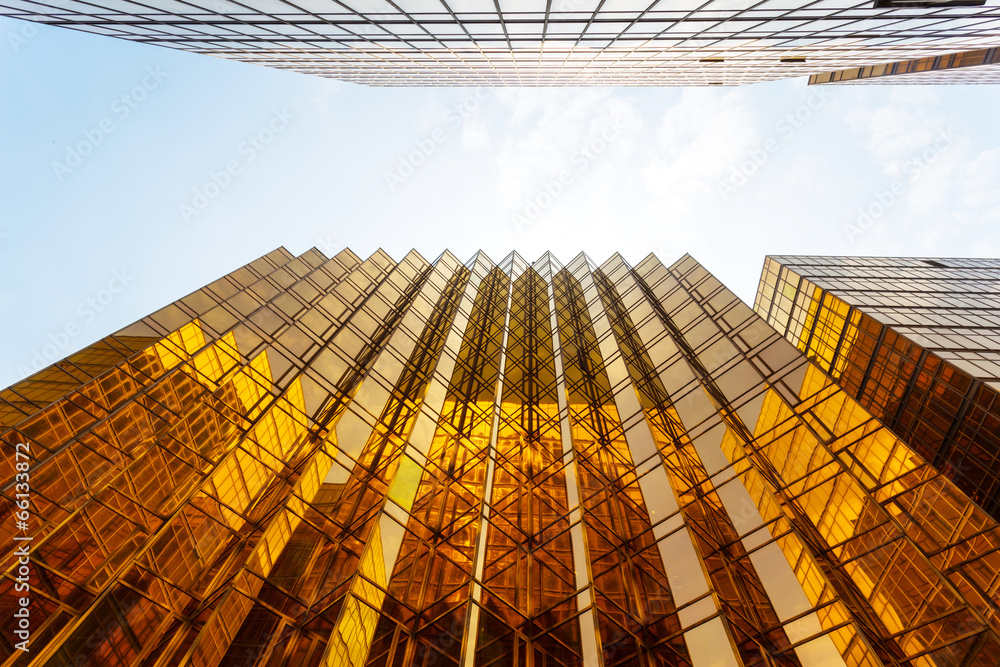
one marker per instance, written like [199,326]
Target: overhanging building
[916,341]
[967,67]
[318,461]
[565,42]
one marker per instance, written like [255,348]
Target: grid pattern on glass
[913,340]
[969,67]
[340,461]
[531,42]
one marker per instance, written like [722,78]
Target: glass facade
[536,42]
[914,340]
[352,462]
[968,67]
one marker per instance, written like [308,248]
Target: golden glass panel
[559,466]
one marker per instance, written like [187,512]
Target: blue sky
[131,175]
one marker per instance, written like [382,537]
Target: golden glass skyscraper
[914,340]
[318,461]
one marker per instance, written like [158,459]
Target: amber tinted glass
[387,463]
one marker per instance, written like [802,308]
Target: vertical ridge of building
[509,266]
[590,639]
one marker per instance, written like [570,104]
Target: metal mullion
[590,640]
[186,17]
[421,25]
[809,534]
[510,46]
[682,544]
[701,374]
[387,511]
[469,640]
[686,18]
[473,42]
[178,511]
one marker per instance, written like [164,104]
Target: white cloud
[699,141]
[550,132]
[475,134]
[325,94]
[978,180]
[900,128]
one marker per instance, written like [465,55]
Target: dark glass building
[915,341]
[346,461]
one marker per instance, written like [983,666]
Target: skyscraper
[563,43]
[967,67]
[340,461]
[914,340]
